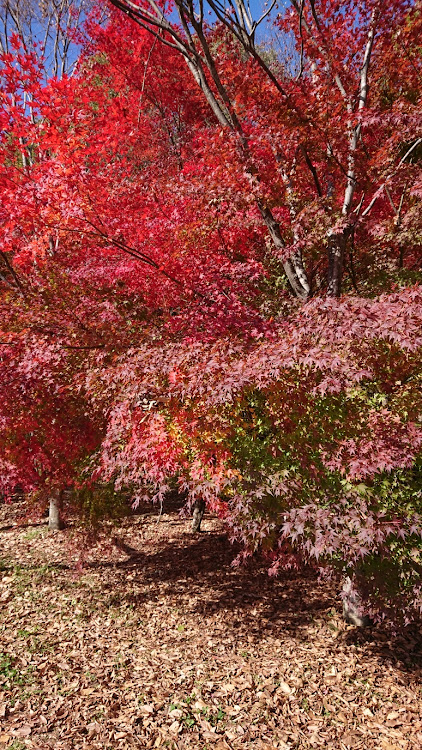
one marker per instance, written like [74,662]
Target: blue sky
[265,32]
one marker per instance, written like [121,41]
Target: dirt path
[159,642]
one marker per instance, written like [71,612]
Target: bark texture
[352,605]
[336,250]
[55,521]
[198,514]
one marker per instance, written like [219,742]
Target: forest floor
[159,642]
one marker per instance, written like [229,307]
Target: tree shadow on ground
[198,570]
[401,650]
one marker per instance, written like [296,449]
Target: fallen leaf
[285,688]
[146,708]
[23,731]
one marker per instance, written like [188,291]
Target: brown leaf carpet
[159,642]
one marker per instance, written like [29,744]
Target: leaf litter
[158,642]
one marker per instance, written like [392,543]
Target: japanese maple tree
[161,242]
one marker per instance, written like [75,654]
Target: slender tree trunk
[293,266]
[336,250]
[337,241]
[55,521]
[198,514]
[18,494]
[353,611]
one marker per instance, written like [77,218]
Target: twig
[380,190]
[301,40]
[144,78]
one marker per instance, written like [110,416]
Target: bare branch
[382,187]
[321,48]
[355,134]
[48,24]
[313,171]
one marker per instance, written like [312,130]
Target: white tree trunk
[353,611]
[55,521]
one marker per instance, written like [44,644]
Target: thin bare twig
[382,187]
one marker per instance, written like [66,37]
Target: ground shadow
[401,649]
[199,568]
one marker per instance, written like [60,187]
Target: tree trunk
[336,250]
[18,494]
[198,514]
[293,266]
[55,521]
[352,605]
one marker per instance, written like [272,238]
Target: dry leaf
[23,731]
[147,708]
[285,688]
[127,663]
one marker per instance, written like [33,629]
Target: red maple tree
[160,244]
